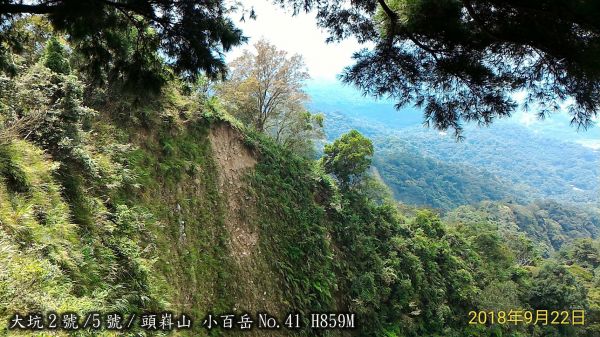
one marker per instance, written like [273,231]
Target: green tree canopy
[127,36]
[348,158]
[555,288]
[463,60]
[56,57]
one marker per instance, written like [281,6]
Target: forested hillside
[418,179]
[543,167]
[507,161]
[548,223]
[144,192]
[545,187]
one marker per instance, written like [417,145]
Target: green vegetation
[464,60]
[549,223]
[294,226]
[504,162]
[540,167]
[56,58]
[419,180]
[265,91]
[97,213]
[122,41]
[115,202]
[348,158]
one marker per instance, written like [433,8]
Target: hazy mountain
[519,158]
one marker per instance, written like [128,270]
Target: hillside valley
[505,161]
[154,191]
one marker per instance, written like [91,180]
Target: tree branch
[27,9]
[389,12]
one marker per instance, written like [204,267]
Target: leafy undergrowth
[130,220]
[177,183]
[49,262]
[293,227]
[128,207]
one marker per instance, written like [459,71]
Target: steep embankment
[234,159]
[213,255]
[254,279]
[175,222]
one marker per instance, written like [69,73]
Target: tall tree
[463,60]
[264,90]
[348,158]
[56,58]
[129,35]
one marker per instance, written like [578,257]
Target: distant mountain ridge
[425,167]
[332,96]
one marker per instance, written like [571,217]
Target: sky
[296,35]
[300,35]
